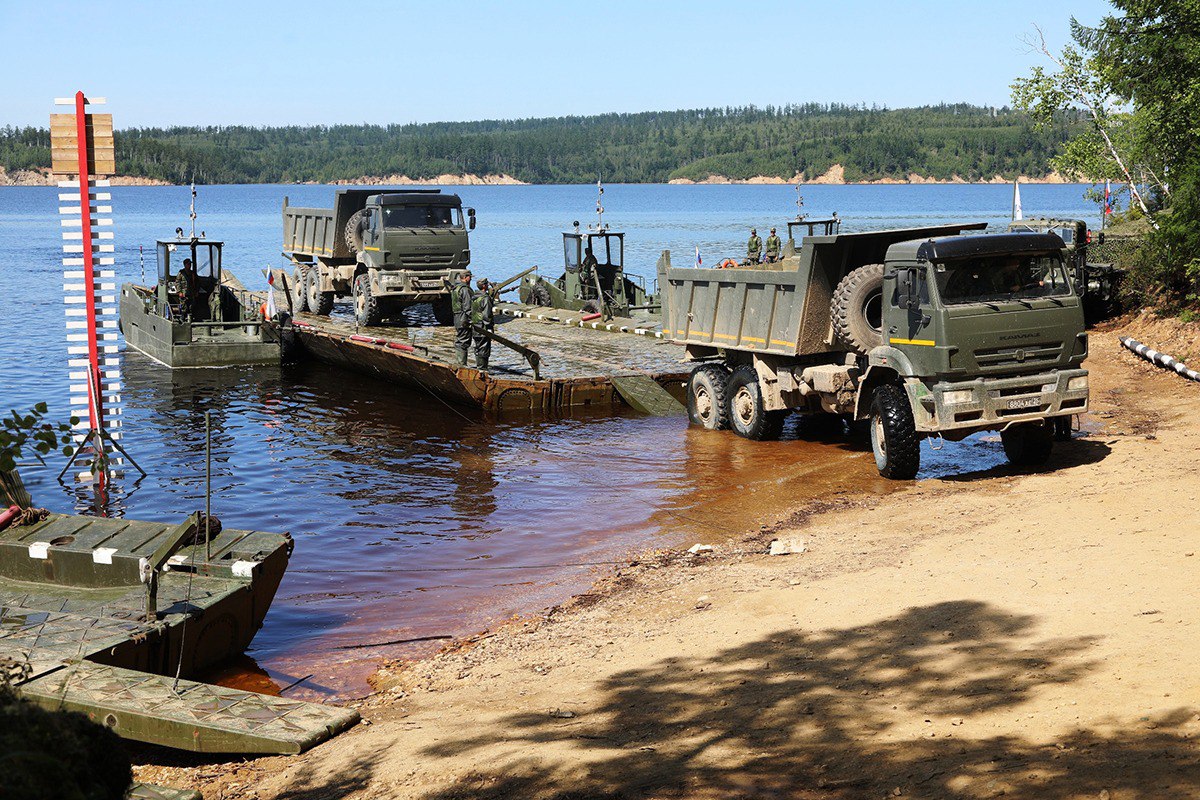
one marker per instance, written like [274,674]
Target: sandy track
[991,634]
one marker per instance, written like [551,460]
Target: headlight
[1077,383]
[958,396]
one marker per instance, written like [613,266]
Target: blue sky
[302,62]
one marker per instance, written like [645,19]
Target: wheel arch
[877,375]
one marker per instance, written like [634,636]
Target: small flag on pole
[1108,204]
[270,294]
[699,262]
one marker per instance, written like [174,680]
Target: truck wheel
[354,230]
[1028,444]
[858,308]
[539,295]
[366,306]
[706,403]
[318,302]
[894,434]
[299,289]
[443,312]
[747,415]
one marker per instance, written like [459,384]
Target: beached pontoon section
[575,367]
[105,616]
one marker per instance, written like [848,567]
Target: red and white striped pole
[90,279]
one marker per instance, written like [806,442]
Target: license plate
[1025,402]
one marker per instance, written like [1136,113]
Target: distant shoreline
[835,176]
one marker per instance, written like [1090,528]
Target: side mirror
[907,296]
[471,222]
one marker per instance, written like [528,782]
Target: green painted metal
[208,719]
[593,278]
[407,242]
[74,597]
[224,330]
[647,395]
[148,791]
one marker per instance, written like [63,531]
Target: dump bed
[783,308]
[320,232]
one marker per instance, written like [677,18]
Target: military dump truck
[938,331]
[387,250]
[1096,284]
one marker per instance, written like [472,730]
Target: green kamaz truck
[387,250]
[939,331]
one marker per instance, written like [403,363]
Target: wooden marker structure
[83,157]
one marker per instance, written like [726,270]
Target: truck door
[909,314]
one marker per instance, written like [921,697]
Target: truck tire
[894,434]
[1028,444]
[318,302]
[366,305]
[299,289]
[706,403]
[443,312]
[748,416]
[353,232]
[857,308]
[539,295]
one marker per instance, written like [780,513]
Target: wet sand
[981,634]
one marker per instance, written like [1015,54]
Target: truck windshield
[422,217]
[993,278]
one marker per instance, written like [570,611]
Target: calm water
[412,520]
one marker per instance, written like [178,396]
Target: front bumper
[415,286]
[997,403]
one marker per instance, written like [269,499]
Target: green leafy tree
[28,435]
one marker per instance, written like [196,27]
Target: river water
[412,519]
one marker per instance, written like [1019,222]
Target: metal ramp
[148,791]
[198,717]
[647,395]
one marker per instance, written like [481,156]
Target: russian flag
[270,294]
[1108,208]
[699,262]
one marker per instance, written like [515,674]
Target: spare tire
[354,230]
[857,308]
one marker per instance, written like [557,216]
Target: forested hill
[934,141]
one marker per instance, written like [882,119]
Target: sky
[303,62]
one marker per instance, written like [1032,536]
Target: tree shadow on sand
[846,713]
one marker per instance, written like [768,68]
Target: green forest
[940,142]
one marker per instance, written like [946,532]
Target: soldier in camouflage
[753,247]
[460,304]
[773,247]
[482,313]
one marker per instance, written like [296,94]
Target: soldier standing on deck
[460,304]
[753,247]
[482,313]
[773,247]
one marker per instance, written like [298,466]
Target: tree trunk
[12,490]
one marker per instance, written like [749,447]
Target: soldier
[186,282]
[773,247]
[753,247]
[460,304]
[482,311]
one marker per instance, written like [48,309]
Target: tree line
[942,141]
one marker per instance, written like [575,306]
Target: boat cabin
[189,279]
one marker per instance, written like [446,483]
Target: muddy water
[412,519]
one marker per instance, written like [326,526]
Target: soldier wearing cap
[773,247]
[460,304]
[483,306]
[753,247]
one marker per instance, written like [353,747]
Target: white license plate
[1025,402]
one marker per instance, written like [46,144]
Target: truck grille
[1026,355]
[427,262]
